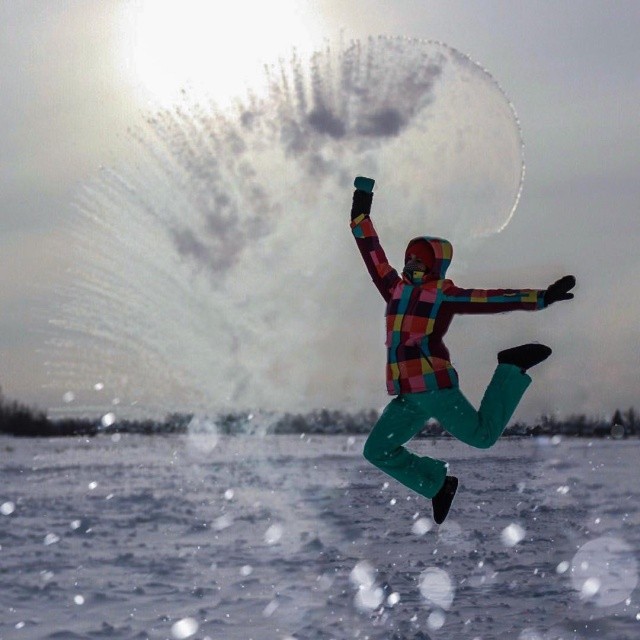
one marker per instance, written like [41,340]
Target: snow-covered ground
[280,537]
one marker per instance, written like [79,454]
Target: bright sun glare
[213,49]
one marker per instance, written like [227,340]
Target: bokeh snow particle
[228,494]
[590,587]
[393,599]
[223,522]
[369,596]
[7,508]
[363,574]
[512,535]
[529,634]
[605,571]
[436,620]
[108,419]
[246,570]
[325,581]
[184,628]
[562,567]
[93,485]
[51,538]
[273,534]
[269,610]
[98,386]
[421,526]
[78,599]
[452,534]
[68,397]
[436,587]
[617,431]
[204,435]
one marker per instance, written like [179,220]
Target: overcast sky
[70,89]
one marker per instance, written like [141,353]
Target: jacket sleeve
[458,300]
[384,276]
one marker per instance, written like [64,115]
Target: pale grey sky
[571,70]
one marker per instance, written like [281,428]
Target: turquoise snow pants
[407,414]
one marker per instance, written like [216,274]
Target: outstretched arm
[459,300]
[384,276]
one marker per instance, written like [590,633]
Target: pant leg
[482,428]
[399,422]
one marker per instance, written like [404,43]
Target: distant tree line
[17,419]
[20,420]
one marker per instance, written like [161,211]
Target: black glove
[559,290]
[361,203]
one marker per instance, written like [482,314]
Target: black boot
[443,499]
[525,356]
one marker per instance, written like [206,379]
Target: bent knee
[485,441]
[371,453]
[484,437]
[375,454]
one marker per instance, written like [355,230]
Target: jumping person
[421,304]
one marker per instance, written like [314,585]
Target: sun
[210,48]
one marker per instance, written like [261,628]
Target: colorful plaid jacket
[420,308]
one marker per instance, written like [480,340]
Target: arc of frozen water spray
[210,265]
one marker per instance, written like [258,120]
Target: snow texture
[300,538]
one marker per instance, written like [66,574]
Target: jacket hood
[442,251]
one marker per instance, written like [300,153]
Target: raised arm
[384,276]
